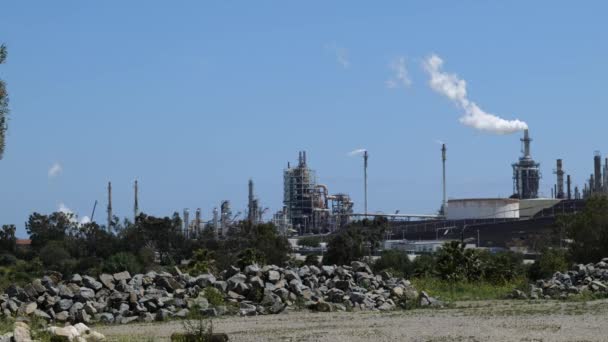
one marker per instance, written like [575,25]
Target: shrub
[7,259]
[424,266]
[214,296]
[549,262]
[502,267]
[310,241]
[311,260]
[396,261]
[122,261]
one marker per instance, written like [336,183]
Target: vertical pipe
[560,179]
[215,221]
[251,209]
[365,156]
[597,163]
[186,222]
[109,207]
[198,222]
[136,204]
[526,141]
[444,203]
[569,184]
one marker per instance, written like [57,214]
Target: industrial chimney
[560,180]
[250,206]
[136,204]
[444,202]
[186,222]
[198,222]
[109,207]
[365,156]
[597,163]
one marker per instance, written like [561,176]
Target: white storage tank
[483,208]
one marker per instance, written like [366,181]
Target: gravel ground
[466,321]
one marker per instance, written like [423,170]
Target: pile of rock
[122,298]
[70,333]
[582,278]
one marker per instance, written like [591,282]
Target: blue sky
[194,98]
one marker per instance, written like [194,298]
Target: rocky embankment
[123,298]
[582,278]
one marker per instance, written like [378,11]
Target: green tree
[3,105]
[345,247]
[8,241]
[45,228]
[588,231]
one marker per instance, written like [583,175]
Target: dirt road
[467,321]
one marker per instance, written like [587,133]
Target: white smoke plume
[455,89]
[73,217]
[400,74]
[357,152]
[64,209]
[55,170]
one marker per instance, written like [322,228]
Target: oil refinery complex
[310,208]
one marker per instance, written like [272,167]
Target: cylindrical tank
[482,208]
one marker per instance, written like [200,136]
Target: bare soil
[466,321]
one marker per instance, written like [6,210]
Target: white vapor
[341,55]
[401,76]
[455,89]
[64,209]
[55,170]
[73,216]
[357,152]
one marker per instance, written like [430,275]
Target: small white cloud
[55,170]
[400,74]
[340,53]
[85,220]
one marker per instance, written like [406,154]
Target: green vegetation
[310,241]
[588,231]
[60,243]
[466,290]
[549,262]
[353,243]
[214,296]
[200,330]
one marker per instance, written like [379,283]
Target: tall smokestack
[136,204]
[198,222]
[365,156]
[216,221]
[444,203]
[526,140]
[597,163]
[109,207]
[560,179]
[251,207]
[569,184]
[186,222]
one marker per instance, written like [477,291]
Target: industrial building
[526,173]
[307,205]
